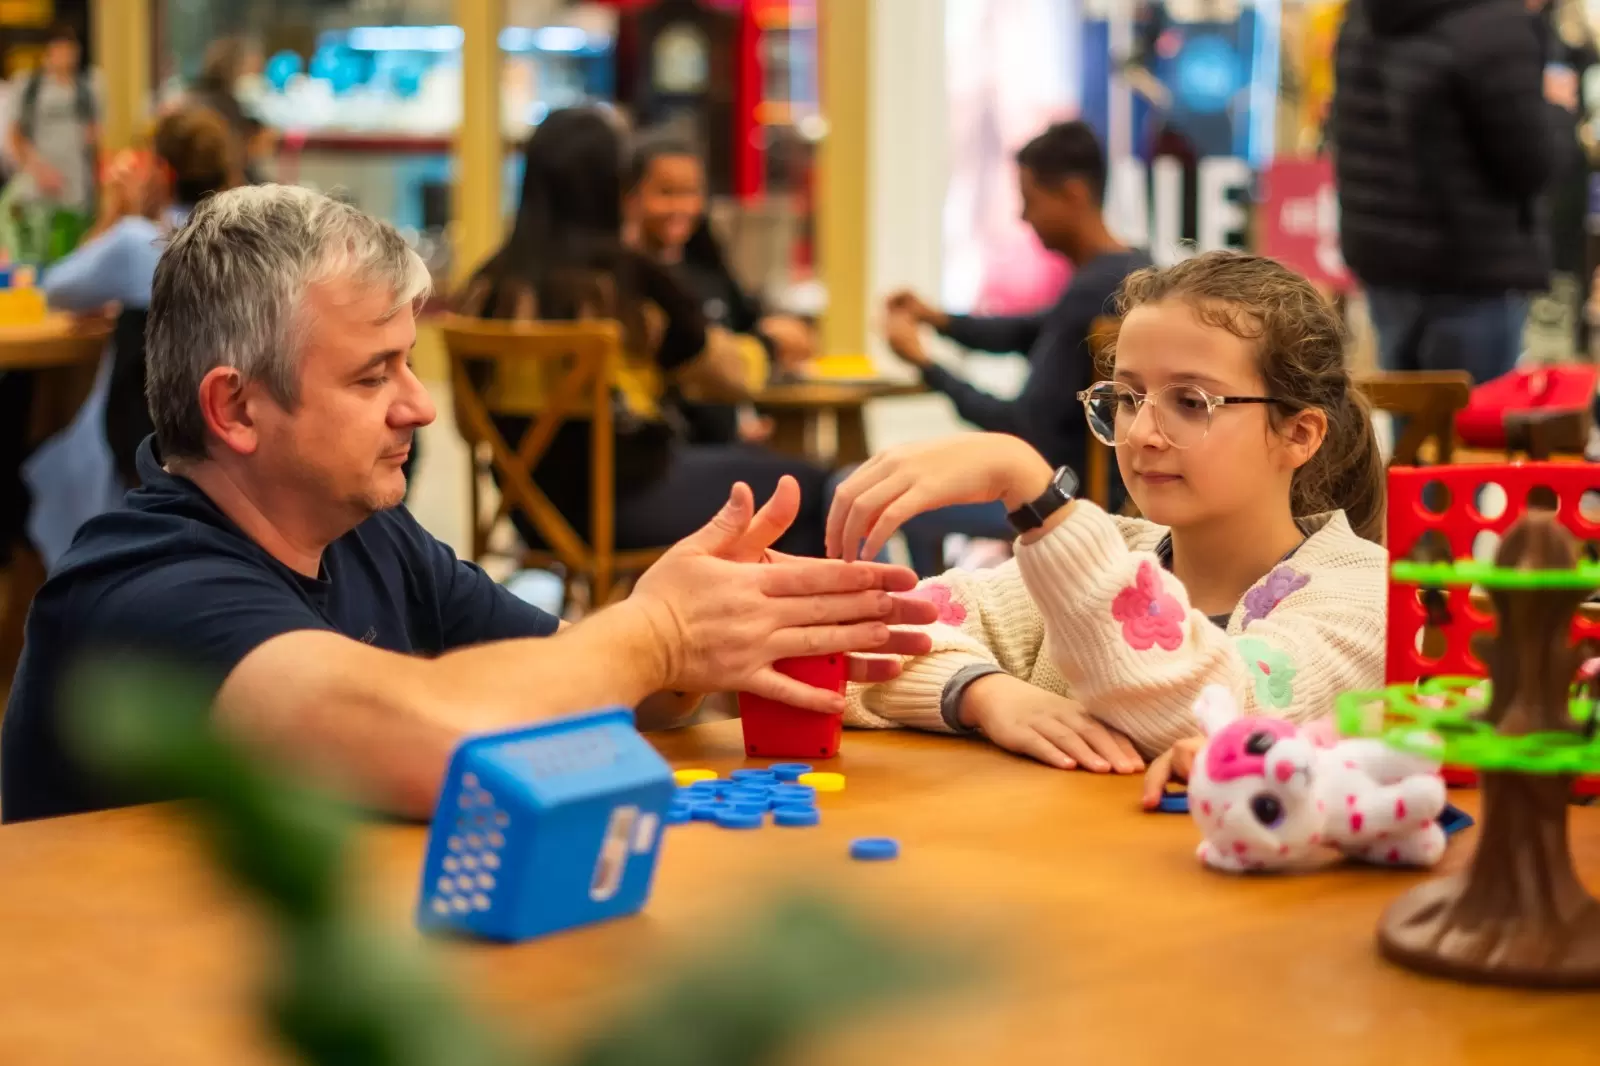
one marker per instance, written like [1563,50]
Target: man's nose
[415,406]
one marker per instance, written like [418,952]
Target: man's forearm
[384,726]
[617,656]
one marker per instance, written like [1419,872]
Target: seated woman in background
[666,218]
[86,467]
[565,259]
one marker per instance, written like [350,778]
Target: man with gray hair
[267,546]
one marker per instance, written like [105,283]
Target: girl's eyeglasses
[1182,411]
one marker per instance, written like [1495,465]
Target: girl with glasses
[1256,564]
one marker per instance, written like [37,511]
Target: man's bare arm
[659,710]
[382,725]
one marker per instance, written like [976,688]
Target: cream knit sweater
[1088,611]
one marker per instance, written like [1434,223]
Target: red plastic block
[1460,523]
[774,730]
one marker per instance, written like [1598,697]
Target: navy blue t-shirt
[169,575]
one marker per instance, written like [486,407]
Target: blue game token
[733,818]
[706,812]
[795,816]
[746,795]
[759,809]
[803,794]
[789,771]
[678,813]
[754,775]
[875,849]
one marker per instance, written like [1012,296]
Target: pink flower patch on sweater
[951,613]
[1150,615]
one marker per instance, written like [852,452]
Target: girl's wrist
[1027,476]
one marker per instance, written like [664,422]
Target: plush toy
[1269,795]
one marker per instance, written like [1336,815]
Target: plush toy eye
[1268,809]
[1259,743]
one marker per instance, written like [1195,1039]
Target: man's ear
[224,406]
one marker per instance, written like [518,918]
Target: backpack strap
[29,104]
[85,100]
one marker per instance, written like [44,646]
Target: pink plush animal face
[1240,748]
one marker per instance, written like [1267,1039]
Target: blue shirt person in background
[1062,176]
[267,550]
[85,469]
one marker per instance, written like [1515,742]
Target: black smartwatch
[1062,491]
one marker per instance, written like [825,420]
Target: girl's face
[669,201]
[1183,467]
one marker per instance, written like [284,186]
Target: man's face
[344,442]
[1055,210]
[61,58]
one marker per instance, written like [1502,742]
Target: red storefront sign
[1299,220]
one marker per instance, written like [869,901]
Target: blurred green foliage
[343,994]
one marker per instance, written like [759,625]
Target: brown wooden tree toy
[1518,914]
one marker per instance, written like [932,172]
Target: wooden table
[63,353]
[1104,940]
[800,409]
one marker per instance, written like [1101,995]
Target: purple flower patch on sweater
[1150,615]
[951,613]
[1273,590]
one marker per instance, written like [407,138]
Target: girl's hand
[900,483]
[1055,730]
[1175,764]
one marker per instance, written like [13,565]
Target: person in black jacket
[1443,149]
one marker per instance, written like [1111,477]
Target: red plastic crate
[774,730]
[1460,523]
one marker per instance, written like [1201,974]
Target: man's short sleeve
[473,609]
[207,612]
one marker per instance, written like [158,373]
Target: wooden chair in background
[63,355]
[577,368]
[1097,457]
[1427,400]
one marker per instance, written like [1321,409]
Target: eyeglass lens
[1182,413]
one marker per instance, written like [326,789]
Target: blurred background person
[1443,149]
[1569,52]
[86,468]
[666,218]
[54,138]
[1062,177]
[230,64]
[566,259]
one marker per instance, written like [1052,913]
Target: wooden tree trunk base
[1518,915]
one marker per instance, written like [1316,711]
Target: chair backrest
[1098,457]
[127,413]
[576,365]
[1427,401]
[70,352]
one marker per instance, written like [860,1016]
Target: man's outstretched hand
[726,607]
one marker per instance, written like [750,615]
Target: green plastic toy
[1440,719]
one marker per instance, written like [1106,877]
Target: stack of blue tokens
[743,799]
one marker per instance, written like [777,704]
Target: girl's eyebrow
[1205,381]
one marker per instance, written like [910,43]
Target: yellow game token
[689,777]
[823,782]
